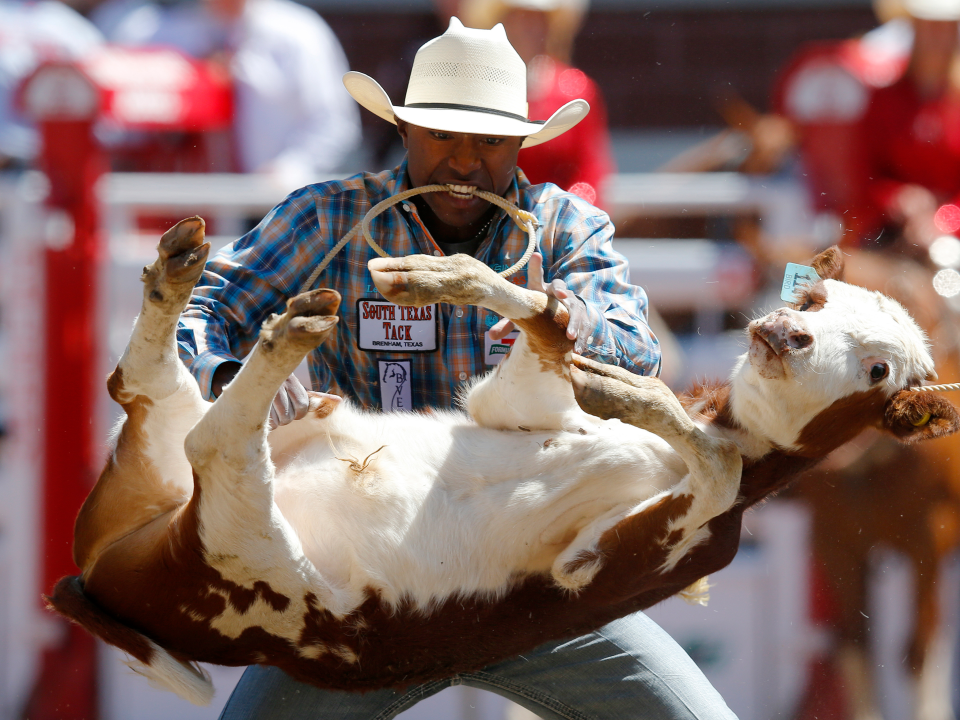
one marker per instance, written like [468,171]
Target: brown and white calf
[358,550]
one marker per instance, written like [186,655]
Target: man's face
[484,162]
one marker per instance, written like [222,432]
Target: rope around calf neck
[522,218]
[937,388]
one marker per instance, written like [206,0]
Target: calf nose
[783,331]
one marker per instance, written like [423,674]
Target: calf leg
[530,389]
[150,365]
[148,473]
[149,371]
[244,535]
[709,488]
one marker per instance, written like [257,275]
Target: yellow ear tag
[922,421]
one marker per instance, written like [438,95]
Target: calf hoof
[422,279]
[607,391]
[183,251]
[182,255]
[309,319]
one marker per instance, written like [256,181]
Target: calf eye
[878,372]
[806,305]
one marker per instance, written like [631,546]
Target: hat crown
[470,68]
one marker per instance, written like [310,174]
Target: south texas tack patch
[495,350]
[395,381]
[385,327]
[796,277]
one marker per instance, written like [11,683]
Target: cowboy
[463,123]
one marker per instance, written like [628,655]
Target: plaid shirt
[255,275]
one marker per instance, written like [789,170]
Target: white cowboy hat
[467,81]
[946,10]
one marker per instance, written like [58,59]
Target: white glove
[577,325]
[290,403]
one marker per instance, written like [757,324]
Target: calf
[357,550]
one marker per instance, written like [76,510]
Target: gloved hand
[290,403]
[578,325]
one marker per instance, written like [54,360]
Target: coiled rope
[524,219]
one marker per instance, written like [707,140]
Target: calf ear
[829,264]
[913,415]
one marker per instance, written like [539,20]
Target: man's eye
[494,141]
[440,135]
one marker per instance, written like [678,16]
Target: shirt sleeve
[583,256]
[243,284]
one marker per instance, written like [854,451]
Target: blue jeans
[629,669]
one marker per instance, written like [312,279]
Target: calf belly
[423,509]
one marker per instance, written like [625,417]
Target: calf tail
[160,668]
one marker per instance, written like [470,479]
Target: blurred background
[727,138]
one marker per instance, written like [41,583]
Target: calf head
[837,361]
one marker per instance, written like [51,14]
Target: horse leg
[530,389]
[929,651]
[842,552]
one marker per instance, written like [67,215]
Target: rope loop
[524,219]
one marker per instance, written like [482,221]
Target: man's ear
[913,415]
[829,264]
[402,129]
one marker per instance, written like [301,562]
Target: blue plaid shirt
[255,275]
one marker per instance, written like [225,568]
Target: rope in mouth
[522,218]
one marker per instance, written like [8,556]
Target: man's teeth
[461,191]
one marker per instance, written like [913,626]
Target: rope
[937,388]
[522,218]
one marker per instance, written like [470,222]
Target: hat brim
[367,91]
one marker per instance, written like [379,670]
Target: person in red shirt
[911,134]
[542,31]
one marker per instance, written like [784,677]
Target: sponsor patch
[495,350]
[385,327]
[395,382]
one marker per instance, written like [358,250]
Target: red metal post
[64,104]
[73,162]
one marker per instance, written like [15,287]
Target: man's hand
[577,325]
[290,403]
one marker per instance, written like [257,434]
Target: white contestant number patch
[495,350]
[387,327]
[395,384]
